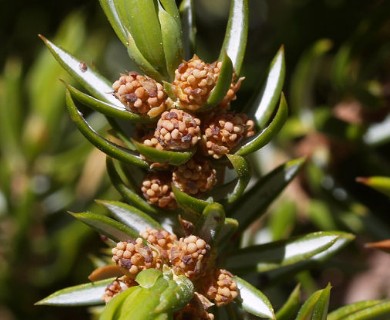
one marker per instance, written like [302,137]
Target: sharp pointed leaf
[241,166]
[316,306]
[287,252]
[130,216]
[111,228]
[265,136]
[266,103]
[253,300]
[236,34]
[381,184]
[320,310]
[105,108]
[223,83]
[254,202]
[80,295]
[176,158]
[98,86]
[210,223]
[290,308]
[103,144]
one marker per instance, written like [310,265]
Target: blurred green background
[338,89]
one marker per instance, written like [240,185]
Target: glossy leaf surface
[241,166]
[192,205]
[111,228]
[316,306]
[265,136]
[80,295]
[130,216]
[101,143]
[176,158]
[253,300]
[96,84]
[255,201]
[266,103]
[223,83]
[236,34]
[156,297]
[277,254]
[188,27]
[105,108]
[111,13]
[140,19]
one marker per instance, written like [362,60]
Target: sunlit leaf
[264,257]
[130,216]
[157,297]
[241,166]
[105,108]
[253,300]
[140,19]
[142,63]
[265,136]
[190,204]
[236,33]
[316,306]
[103,144]
[111,13]
[265,104]
[176,158]
[97,85]
[255,201]
[111,228]
[80,295]
[223,83]
[188,26]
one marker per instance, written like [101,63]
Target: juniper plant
[178,154]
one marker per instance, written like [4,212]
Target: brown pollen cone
[195,177]
[134,256]
[224,131]
[194,80]
[177,130]
[140,94]
[189,255]
[156,189]
[220,287]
